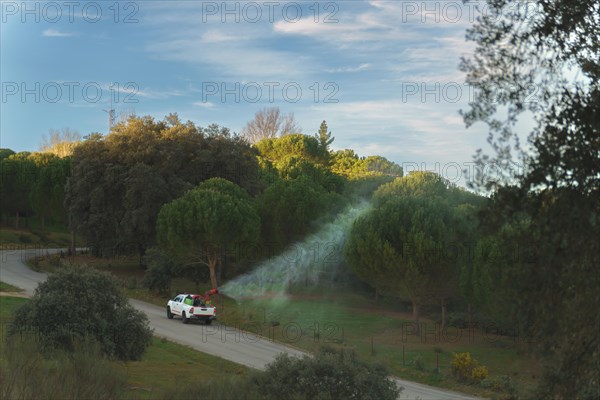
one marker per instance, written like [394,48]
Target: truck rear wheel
[184,319]
[169,313]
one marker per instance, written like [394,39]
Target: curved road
[218,340]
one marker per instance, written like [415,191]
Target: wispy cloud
[215,36]
[358,68]
[204,104]
[56,33]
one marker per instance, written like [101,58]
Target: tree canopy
[402,248]
[302,146]
[207,221]
[120,182]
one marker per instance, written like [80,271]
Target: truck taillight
[192,310]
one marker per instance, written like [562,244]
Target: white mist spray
[304,261]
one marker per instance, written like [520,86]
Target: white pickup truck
[191,307]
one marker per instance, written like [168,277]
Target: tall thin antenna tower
[111,116]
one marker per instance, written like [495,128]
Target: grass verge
[5,287]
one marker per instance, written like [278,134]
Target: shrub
[25,239]
[330,374]
[480,372]
[501,384]
[508,386]
[462,365]
[131,282]
[458,320]
[79,303]
[419,364]
[467,369]
[160,272]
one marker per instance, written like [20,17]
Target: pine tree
[323,136]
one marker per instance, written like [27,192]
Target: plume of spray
[305,261]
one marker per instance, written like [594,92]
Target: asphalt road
[218,340]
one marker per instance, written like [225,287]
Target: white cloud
[358,68]
[215,36]
[364,27]
[204,104]
[233,60]
[56,33]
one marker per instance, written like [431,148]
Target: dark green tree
[48,190]
[120,181]
[207,221]
[161,269]
[290,207]
[400,248]
[18,176]
[77,304]
[524,63]
[5,153]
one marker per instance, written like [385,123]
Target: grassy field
[383,335]
[379,332]
[167,364]
[164,365]
[31,235]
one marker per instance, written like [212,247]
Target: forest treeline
[110,190]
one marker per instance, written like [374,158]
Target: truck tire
[184,319]
[169,313]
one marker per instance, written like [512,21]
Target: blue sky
[384,74]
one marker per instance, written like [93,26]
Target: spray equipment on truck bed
[208,294]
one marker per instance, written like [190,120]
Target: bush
[419,364]
[79,303]
[29,374]
[160,272]
[502,384]
[131,282]
[23,238]
[467,369]
[480,372]
[458,320]
[330,374]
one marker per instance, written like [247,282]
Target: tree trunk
[43,223]
[72,246]
[443,304]
[212,266]
[17,220]
[470,314]
[376,295]
[141,254]
[415,310]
